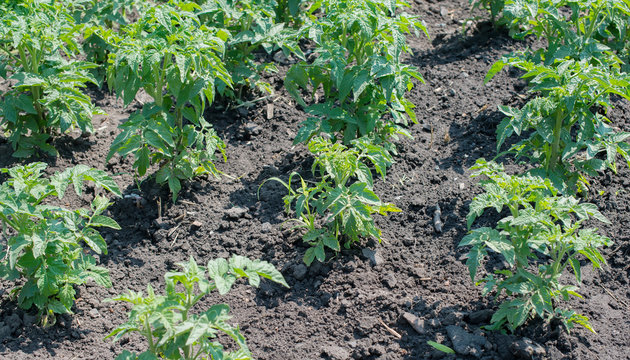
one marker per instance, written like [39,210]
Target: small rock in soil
[465,343]
[336,352]
[94,313]
[266,227]
[29,319]
[453,318]
[242,111]
[236,213]
[527,349]
[5,332]
[378,350]
[196,225]
[299,272]
[480,317]
[375,257]
[437,219]
[502,343]
[366,325]
[434,323]
[14,322]
[391,281]
[416,323]
[253,129]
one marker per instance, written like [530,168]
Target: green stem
[31,64]
[149,335]
[188,350]
[592,27]
[557,264]
[554,159]
[159,84]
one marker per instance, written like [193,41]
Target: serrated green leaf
[100,220]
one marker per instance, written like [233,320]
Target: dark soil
[340,309]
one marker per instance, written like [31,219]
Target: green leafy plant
[38,49]
[44,242]
[252,27]
[568,133]
[177,61]
[601,20]
[358,66]
[100,21]
[168,323]
[343,199]
[540,238]
[290,11]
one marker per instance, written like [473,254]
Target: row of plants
[185,56]
[353,93]
[182,54]
[565,136]
[46,256]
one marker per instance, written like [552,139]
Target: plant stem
[149,334]
[31,64]
[554,160]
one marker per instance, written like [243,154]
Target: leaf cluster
[252,26]
[357,64]
[177,61]
[173,330]
[540,238]
[38,55]
[568,134]
[44,250]
[573,79]
[339,207]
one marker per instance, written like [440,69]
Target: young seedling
[168,323]
[357,65]
[43,251]
[566,133]
[540,238]
[177,61]
[252,27]
[343,201]
[38,50]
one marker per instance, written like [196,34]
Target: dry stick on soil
[390,330]
[614,297]
[171,233]
[180,217]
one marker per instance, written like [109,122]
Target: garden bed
[360,304]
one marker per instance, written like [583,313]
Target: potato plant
[177,61]
[43,243]
[339,207]
[174,330]
[38,49]
[541,237]
[357,65]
